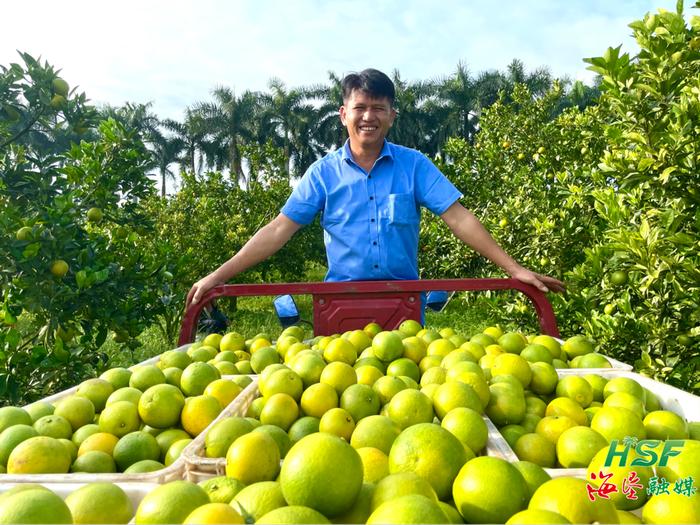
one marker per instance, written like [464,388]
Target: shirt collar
[386,151]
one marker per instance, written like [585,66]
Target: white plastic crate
[199,467]
[670,398]
[172,472]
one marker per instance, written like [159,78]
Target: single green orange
[431,452]
[170,503]
[401,484]
[323,472]
[492,501]
[253,457]
[578,445]
[410,407]
[34,506]
[412,508]
[375,431]
[256,500]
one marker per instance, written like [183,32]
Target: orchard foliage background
[598,186]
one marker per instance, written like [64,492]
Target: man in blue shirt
[370,192]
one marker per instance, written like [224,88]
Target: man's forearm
[265,243]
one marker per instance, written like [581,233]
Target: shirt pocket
[402,209]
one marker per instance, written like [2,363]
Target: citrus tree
[639,286]
[211,217]
[605,198]
[527,177]
[70,217]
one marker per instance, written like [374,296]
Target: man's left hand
[543,283]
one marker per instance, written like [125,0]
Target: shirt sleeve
[306,199]
[433,190]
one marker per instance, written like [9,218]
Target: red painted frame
[387,289]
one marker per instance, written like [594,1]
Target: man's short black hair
[370,81]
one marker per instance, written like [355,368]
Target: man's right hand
[200,288]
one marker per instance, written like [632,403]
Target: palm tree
[166,150]
[287,120]
[191,133]
[458,105]
[229,122]
[329,132]
[412,125]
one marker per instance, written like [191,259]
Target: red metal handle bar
[545,313]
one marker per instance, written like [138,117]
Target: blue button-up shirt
[371,220]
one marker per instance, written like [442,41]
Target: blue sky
[174,53]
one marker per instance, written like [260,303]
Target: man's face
[368,119]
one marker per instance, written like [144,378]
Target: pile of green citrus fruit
[127,420]
[374,426]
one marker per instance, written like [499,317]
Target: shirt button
[376,266]
[375,243]
[372,220]
[371,198]
[369,176]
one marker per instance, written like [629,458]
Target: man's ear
[393,116]
[342,115]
